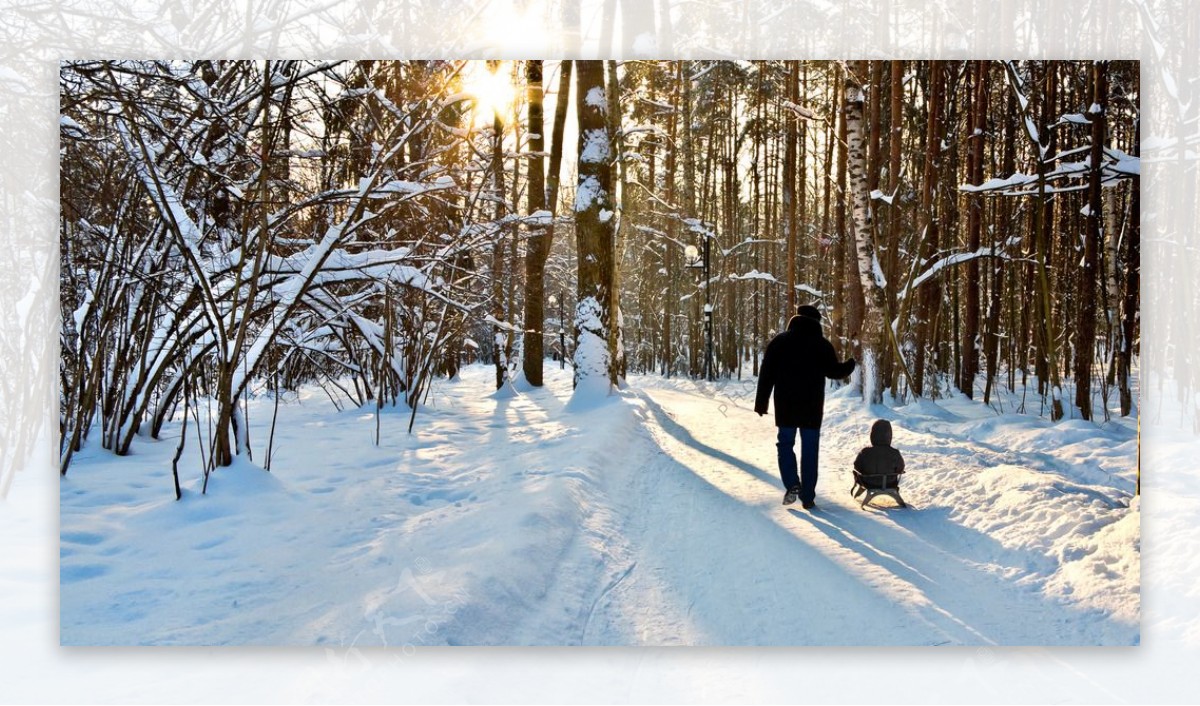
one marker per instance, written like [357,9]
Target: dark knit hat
[809,311]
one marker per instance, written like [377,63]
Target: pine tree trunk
[1047,362]
[992,336]
[594,366]
[969,347]
[1132,284]
[792,122]
[930,294]
[687,203]
[538,244]
[497,174]
[671,253]
[1085,325]
[616,344]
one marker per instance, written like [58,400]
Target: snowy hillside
[651,519]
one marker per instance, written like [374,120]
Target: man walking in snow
[795,366]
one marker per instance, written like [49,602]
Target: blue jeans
[810,441]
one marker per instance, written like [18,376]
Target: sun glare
[492,91]
[514,29]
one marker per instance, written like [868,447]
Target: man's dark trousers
[810,440]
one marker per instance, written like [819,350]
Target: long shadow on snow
[538,400]
[683,436]
[988,605]
[862,613]
[978,608]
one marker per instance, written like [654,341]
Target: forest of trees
[234,227]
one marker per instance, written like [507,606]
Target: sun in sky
[491,87]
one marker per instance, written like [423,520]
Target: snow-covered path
[652,518]
[736,567]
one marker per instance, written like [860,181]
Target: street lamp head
[553,300]
[691,253]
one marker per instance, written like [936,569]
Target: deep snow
[652,518]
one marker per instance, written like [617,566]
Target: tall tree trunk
[892,256]
[514,262]
[977,119]
[554,176]
[756,170]
[792,122]
[831,185]
[594,367]
[671,254]
[930,294]
[537,249]
[1008,165]
[847,319]
[1085,326]
[616,344]
[687,204]
[497,173]
[1047,363]
[871,338]
[1129,302]
[802,219]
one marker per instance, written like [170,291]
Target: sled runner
[870,485]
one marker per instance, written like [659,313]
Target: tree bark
[594,366]
[792,121]
[1129,302]
[1085,325]
[670,252]
[969,347]
[992,330]
[871,338]
[497,173]
[930,295]
[537,248]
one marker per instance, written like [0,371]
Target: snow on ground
[652,518]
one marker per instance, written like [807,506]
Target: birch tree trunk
[892,257]
[869,273]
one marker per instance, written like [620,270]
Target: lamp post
[562,333]
[692,254]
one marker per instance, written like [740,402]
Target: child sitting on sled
[879,465]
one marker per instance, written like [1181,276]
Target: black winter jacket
[795,366]
[879,458]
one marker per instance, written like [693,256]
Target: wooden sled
[890,487]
